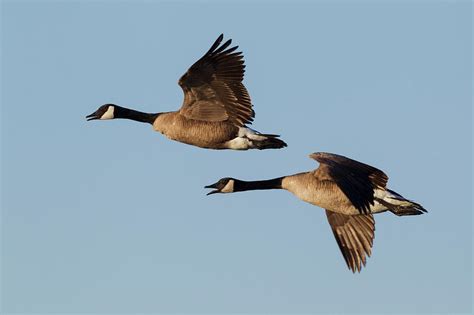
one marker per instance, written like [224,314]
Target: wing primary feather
[228,51]
[222,47]
[216,44]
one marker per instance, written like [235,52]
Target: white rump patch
[246,132]
[380,193]
[396,199]
[378,207]
[244,139]
[388,197]
[109,114]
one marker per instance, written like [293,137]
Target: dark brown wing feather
[213,89]
[357,180]
[354,235]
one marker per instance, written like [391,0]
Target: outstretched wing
[354,235]
[213,89]
[356,180]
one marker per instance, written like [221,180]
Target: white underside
[244,139]
[238,144]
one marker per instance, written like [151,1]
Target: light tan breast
[203,134]
[325,194]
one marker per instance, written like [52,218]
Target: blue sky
[111,217]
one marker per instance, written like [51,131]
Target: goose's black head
[106,111]
[224,185]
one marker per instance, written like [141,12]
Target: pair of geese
[215,113]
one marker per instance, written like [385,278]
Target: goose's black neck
[127,113]
[274,183]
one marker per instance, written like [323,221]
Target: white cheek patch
[229,187]
[109,114]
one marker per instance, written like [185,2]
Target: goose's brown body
[322,193]
[211,135]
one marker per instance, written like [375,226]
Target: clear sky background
[111,217]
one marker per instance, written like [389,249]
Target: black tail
[401,206]
[271,142]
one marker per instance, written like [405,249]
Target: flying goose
[215,110]
[350,191]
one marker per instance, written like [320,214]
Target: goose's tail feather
[270,142]
[401,206]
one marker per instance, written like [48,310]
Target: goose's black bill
[212,186]
[92,116]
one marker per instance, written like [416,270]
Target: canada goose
[215,110]
[350,192]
